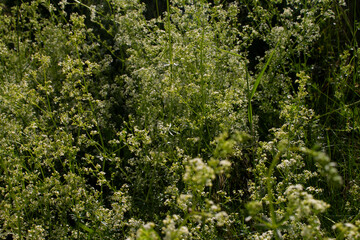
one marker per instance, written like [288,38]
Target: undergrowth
[179,119]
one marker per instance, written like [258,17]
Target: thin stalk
[18,78]
[157,8]
[269,191]
[19,64]
[249,103]
[203,96]
[202,80]
[170,55]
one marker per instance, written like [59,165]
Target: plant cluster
[209,120]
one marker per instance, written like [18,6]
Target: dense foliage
[179,119]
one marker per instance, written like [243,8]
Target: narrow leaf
[85,228]
[258,79]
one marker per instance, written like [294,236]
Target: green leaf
[85,228]
[258,79]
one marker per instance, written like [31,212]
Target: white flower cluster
[348,230]
[171,230]
[198,174]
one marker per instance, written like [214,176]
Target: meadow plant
[204,122]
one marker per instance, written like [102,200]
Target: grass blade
[258,79]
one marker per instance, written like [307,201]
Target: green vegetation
[179,119]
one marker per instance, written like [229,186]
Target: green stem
[269,190]
[170,56]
